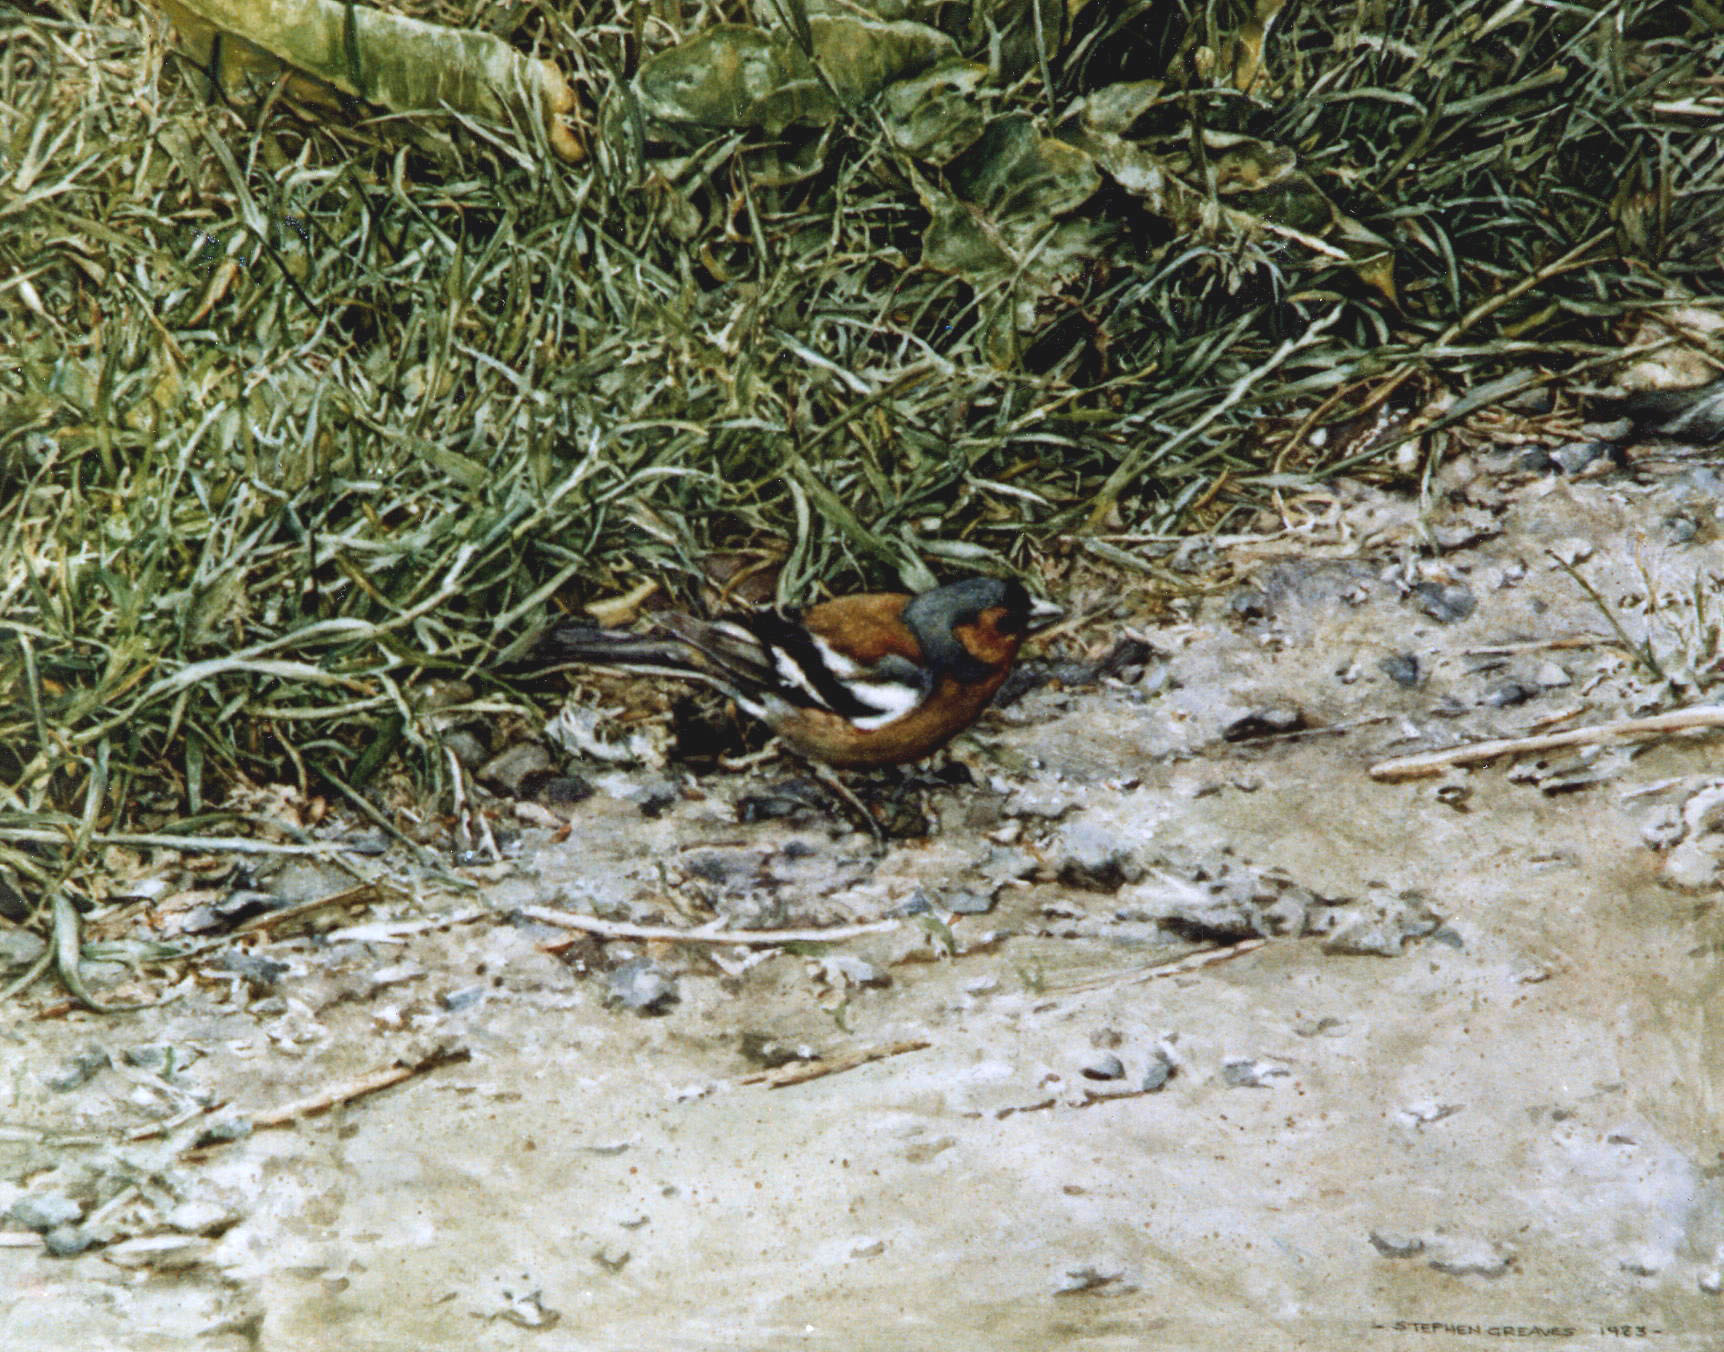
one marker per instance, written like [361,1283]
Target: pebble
[1161,1070]
[78,1069]
[1680,529]
[1244,1073]
[967,902]
[843,970]
[65,1240]
[43,1211]
[1105,1067]
[1507,694]
[518,771]
[1402,669]
[1445,604]
[1093,854]
[1551,676]
[1274,721]
[233,1126]
[19,947]
[639,986]
[466,747]
[1574,456]
[260,973]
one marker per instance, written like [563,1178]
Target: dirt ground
[1188,1032]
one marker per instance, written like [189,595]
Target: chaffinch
[880,678]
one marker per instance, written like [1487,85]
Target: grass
[301,415]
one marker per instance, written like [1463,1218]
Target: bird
[859,682]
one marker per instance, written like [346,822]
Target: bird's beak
[1043,614]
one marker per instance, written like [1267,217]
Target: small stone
[466,747]
[19,948]
[1402,669]
[1550,676]
[1105,1067]
[78,1070]
[770,1052]
[1275,721]
[1712,1283]
[868,1248]
[465,998]
[1445,604]
[43,1211]
[565,790]
[231,1126]
[1161,1070]
[1244,1073]
[1381,923]
[63,1241]
[967,902]
[641,987]
[1680,529]
[1249,603]
[1574,456]
[843,970]
[159,1058]
[1093,854]
[1507,694]
[1393,1244]
[243,904]
[517,771]
[260,973]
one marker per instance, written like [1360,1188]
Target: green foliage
[296,416]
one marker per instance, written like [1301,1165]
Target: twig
[201,844]
[804,1071]
[353,1089]
[1429,763]
[706,934]
[1191,962]
[365,893]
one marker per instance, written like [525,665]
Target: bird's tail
[574,641]
[689,656]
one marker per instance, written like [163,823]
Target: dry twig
[1428,763]
[707,934]
[354,1089]
[803,1071]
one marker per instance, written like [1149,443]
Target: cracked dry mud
[1465,1089]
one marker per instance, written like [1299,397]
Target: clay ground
[1465,1094]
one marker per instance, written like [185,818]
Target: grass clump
[302,415]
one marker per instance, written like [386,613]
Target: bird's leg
[829,777]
